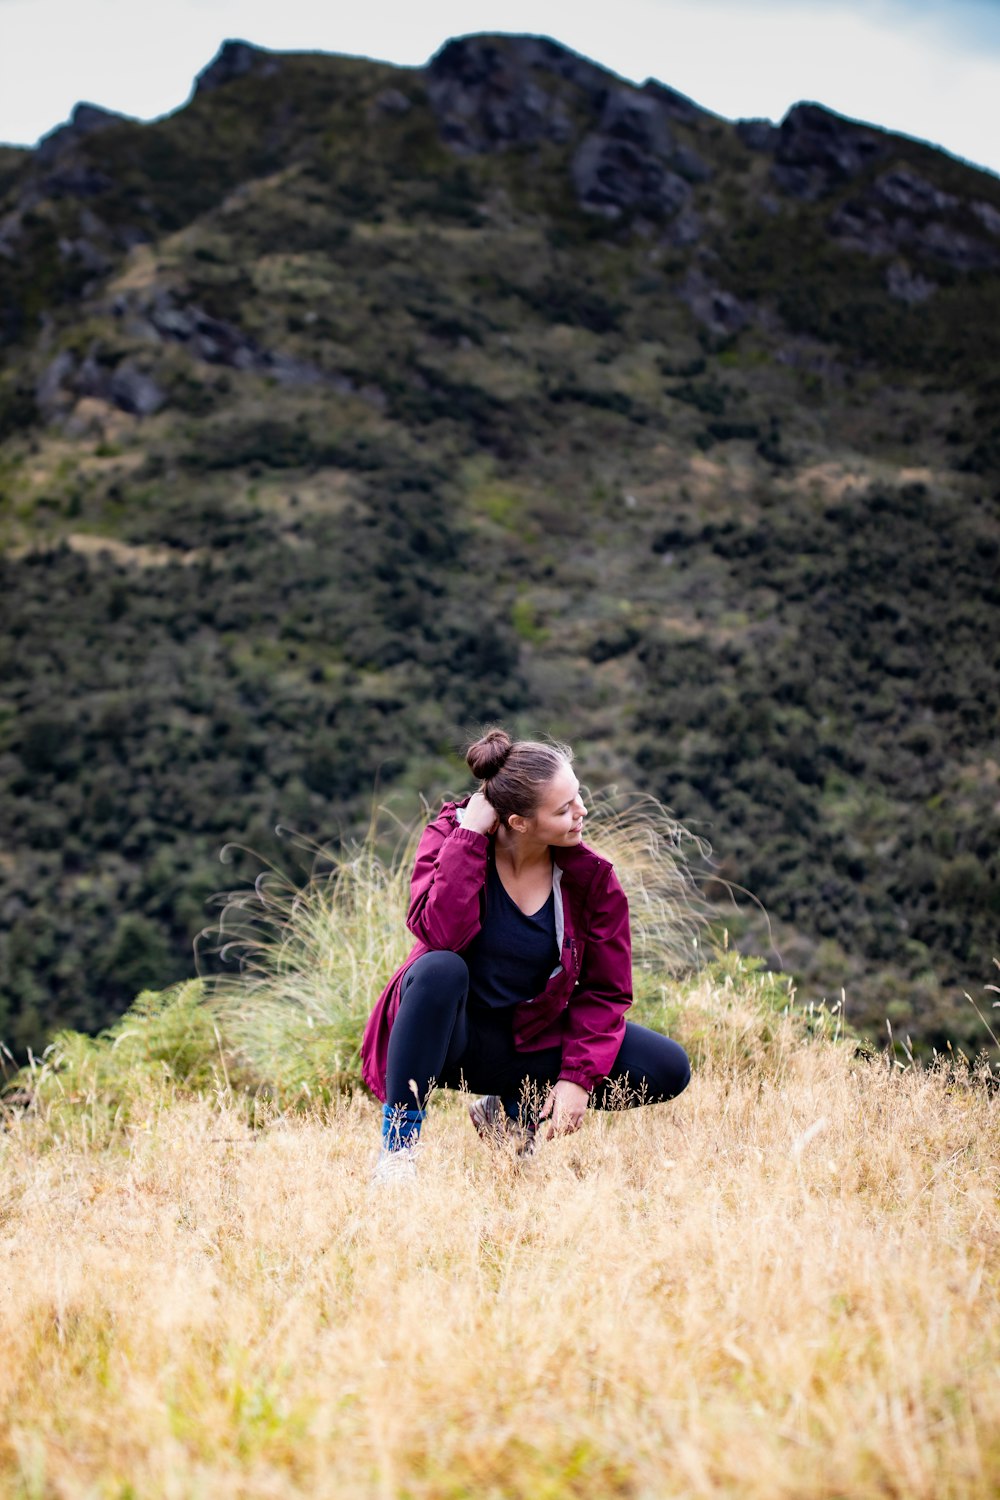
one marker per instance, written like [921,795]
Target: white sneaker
[395,1168]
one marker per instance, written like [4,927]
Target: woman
[521,973]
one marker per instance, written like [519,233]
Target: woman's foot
[494,1124]
[395,1167]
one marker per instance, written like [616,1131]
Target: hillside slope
[352,405]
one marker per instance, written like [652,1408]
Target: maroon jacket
[582,1007]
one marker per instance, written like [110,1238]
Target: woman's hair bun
[489,754]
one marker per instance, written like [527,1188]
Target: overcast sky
[928,68]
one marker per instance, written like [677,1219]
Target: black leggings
[442,1035]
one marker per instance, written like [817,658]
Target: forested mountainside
[351,406]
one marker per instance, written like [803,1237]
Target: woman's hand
[479,815]
[566,1103]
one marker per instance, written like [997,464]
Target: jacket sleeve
[448,875]
[594,1024]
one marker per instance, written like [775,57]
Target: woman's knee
[439,979]
[650,1069]
[668,1071]
[678,1070]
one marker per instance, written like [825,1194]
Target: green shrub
[96,1088]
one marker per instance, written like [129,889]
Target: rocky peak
[235,59]
[480,57]
[487,93]
[758,134]
[637,118]
[86,119]
[492,92]
[677,106]
[817,151]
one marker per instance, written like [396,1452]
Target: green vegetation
[281,1028]
[320,444]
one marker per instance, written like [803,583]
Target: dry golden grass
[786,1283]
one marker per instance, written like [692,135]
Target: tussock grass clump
[312,958]
[650,851]
[283,1028]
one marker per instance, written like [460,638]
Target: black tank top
[513,954]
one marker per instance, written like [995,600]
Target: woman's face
[558,818]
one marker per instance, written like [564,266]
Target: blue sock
[523,1111]
[400,1127]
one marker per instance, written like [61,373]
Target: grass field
[786,1283]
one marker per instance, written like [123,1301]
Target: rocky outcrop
[545,56]
[487,95]
[904,212]
[964,252]
[758,135]
[860,225]
[684,230]
[906,285]
[84,253]
[818,151]
[128,384]
[220,343]
[50,392]
[236,59]
[86,120]
[988,216]
[76,180]
[60,171]
[637,119]
[133,390]
[207,338]
[11,234]
[490,93]
[622,167]
[392,102]
[722,314]
[690,165]
[125,385]
[612,178]
[902,188]
[674,105]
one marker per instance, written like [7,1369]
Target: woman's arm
[566,1104]
[448,876]
[595,1018]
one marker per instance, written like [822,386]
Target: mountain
[351,406]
